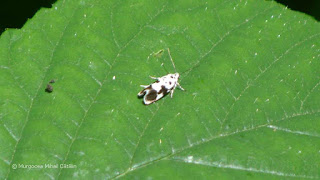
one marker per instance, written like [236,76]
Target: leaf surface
[250,110]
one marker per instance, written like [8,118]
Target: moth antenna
[172,60]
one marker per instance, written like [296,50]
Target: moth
[161,87]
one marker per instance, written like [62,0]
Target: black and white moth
[161,87]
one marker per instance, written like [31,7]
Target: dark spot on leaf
[52,81]
[49,88]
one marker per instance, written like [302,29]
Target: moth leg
[180,86]
[171,92]
[154,77]
[144,86]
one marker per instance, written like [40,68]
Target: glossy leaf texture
[250,110]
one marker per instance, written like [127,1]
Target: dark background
[14,13]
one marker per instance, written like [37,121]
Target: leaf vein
[263,71]
[148,163]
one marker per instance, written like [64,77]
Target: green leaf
[250,110]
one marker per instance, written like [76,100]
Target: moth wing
[143,91]
[151,96]
[160,96]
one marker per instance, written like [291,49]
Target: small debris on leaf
[49,88]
